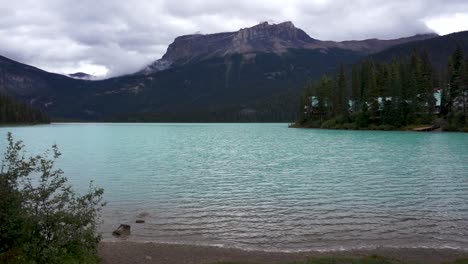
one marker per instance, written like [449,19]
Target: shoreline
[413,130]
[410,128]
[125,252]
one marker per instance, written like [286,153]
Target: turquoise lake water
[268,187]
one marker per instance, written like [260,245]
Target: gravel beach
[135,252]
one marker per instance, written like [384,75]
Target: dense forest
[404,93]
[15,112]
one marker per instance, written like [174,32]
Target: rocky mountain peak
[285,31]
[261,38]
[264,37]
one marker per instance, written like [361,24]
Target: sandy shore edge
[138,252]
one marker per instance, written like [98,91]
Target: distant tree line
[13,111]
[390,95]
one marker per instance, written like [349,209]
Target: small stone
[139,221]
[148,258]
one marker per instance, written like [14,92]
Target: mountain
[371,46]
[39,88]
[82,76]
[263,38]
[439,49]
[254,74]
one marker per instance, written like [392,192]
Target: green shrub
[329,124]
[42,220]
[312,124]
[449,127]
[362,119]
[341,119]
[385,127]
[350,126]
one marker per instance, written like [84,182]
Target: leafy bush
[42,220]
[362,119]
[329,124]
[350,126]
[386,127]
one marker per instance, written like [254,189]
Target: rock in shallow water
[123,230]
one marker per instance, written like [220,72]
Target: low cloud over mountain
[119,37]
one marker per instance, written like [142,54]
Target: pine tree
[356,88]
[342,101]
[372,90]
[394,114]
[465,90]
[427,90]
[324,91]
[455,75]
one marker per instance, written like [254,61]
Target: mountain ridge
[439,49]
[265,38]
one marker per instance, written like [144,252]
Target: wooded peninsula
[405,93]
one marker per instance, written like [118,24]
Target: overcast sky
[121,36]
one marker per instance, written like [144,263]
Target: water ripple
[264,186]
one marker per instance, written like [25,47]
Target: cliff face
[262,38]
[193,46]
[269,38]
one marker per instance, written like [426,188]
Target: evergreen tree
[427,88]
[356,88]
[324,90]
[455,75]
[372,90]
[341,101]
[465,90]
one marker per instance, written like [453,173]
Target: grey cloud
[124,36]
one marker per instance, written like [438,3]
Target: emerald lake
[266,186]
